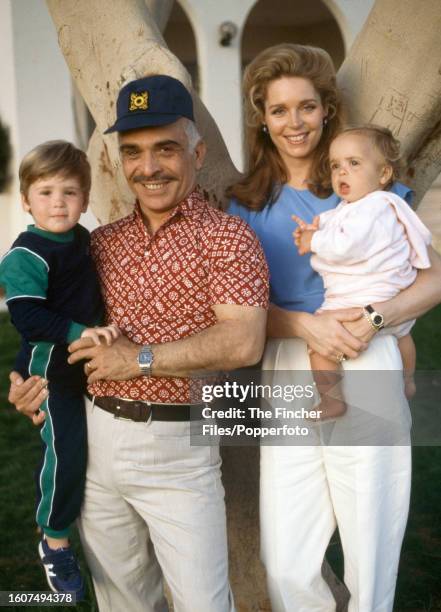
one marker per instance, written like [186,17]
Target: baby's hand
[303,234]
[314,226]
[302,240]
[110,333]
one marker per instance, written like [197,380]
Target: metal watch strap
[145,360]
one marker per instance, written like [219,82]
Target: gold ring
[342,357]
[88,367]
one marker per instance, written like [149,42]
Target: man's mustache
[142,178]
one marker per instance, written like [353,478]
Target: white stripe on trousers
[306,491]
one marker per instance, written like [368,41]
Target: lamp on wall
[227,31]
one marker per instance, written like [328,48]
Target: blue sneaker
[62,572]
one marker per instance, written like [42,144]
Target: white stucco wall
[220,67]
[35,94]
[9,223]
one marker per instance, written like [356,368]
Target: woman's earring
[325,121]
[264,128]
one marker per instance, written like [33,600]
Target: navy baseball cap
[151,101]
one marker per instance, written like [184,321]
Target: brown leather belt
[142,411]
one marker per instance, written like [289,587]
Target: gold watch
[375,318]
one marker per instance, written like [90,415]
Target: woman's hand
[326,333]
[361,328]
[28,395]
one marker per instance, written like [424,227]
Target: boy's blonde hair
[385,143]
[54,157]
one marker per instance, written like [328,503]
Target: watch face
[378,319]
[145,357]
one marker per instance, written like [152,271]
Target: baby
[367,249]
[53,297]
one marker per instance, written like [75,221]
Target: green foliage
[5,157]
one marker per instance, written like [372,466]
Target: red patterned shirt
[162,287]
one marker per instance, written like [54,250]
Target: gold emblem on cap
[139,101]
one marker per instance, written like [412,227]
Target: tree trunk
[392,77]
[107,44]
[160,11]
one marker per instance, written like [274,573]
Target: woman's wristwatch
[375,319]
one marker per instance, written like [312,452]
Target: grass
[419,583]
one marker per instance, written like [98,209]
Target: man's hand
[28,395]
[116,362]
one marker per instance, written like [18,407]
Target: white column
[220,67]
[11,218]
[35,94]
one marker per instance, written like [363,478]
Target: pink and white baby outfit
[368,251]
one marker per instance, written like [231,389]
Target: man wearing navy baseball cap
[151,101]
[188,287]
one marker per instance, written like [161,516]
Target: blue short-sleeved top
[294,285]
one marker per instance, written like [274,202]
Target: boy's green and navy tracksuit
[52,293]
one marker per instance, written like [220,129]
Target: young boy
[367,249]
[53,297]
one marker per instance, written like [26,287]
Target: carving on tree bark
[392,76]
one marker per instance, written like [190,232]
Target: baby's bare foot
[329,408]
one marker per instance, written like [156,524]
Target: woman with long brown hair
[292,113]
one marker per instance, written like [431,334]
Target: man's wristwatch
[145,360]
[375,318]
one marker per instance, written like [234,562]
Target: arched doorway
[307,22]
[181,41]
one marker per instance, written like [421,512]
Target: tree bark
[160,12]
[392,77]
[106,45]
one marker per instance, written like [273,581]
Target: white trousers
[308,490]
[153,507]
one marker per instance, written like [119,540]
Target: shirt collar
[190,207]
[56,237]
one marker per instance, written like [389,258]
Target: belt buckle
[119,417]
[124,418]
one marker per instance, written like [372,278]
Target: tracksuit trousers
[60,477]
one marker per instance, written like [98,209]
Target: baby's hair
[383,139]
[54,157]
